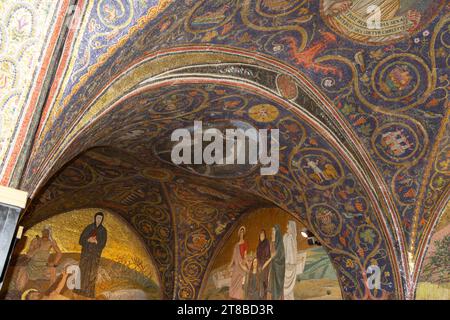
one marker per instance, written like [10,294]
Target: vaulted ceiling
[132,73]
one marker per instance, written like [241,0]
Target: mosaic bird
[307,57]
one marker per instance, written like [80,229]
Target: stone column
[12,202]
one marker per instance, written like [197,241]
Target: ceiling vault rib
[175,239]
[24,157]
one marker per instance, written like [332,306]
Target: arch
[84,182]
[170,65]
[304,47]
[284,107]
[230,233]
[117,216]
[125,256]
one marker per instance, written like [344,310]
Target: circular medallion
[287,87]
[198,241]
[203,213]
[367,237]
[164,146]
[263,113]
[153,213]
[318,166]
[395,143]
[398,80]
[114,14]
[325,220]
[160,251]
[378,22]
[144,225]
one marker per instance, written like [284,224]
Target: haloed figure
[92,241]
[238,266]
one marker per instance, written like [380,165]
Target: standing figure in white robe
[290,249]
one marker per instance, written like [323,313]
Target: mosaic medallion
[395,143]
[318,166]
[326,220]
[378,21]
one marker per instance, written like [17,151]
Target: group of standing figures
[271,273]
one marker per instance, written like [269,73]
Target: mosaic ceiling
[371,109]
[28,32]
[180,218]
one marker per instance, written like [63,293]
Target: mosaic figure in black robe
[92,241]
[263,255]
